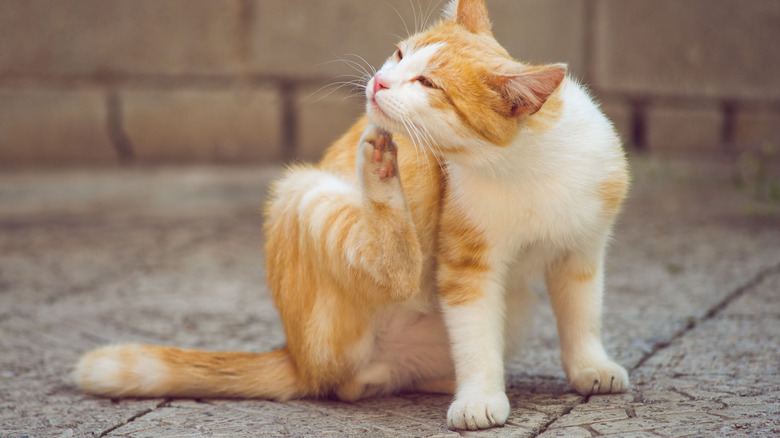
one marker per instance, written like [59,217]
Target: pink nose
[379,83]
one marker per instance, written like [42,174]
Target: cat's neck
[530,154]
[544,146]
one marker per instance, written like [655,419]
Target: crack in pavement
[712,313]
[162,404]
[715,311]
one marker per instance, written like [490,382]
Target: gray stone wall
[93,82]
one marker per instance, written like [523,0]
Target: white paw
[603,378]
[478,412]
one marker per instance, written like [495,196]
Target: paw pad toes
[594,380]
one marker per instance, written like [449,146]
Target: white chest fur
[541,192]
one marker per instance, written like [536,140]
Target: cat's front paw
[478,412]
[606,377]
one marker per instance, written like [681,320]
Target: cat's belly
[414,346]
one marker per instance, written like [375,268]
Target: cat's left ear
[471,14]
[526,88]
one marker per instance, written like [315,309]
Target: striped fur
[394,261]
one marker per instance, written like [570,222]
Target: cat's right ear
[525,89]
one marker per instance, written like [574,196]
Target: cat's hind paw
[478,412]
[377,165]
[603,378]
[378,147]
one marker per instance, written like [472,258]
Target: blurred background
[124,82]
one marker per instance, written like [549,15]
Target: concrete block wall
[92,82]
[694,74]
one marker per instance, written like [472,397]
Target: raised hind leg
[338,248]
[360,234]
[391,248]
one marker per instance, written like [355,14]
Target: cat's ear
[525,89]
[471,14]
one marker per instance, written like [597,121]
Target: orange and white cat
[402,263]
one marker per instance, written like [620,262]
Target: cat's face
[453,87]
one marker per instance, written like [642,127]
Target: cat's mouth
[378,115]
[375,108]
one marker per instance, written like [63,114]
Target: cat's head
[453,86]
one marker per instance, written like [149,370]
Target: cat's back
[592,159]
[579,151]
[584,124]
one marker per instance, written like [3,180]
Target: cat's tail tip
[120,371]
[133,370]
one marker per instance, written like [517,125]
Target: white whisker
[428,140]
[401,17]
[414,11]
[356,90]
[370,70]
[432,8]
[355,83]
[352,64]
[366,70]
[414,139]
[422,139]
[417,148]
[396,36]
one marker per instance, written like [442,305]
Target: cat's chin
[381,119]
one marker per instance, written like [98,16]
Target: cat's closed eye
[398,55]
[426,82]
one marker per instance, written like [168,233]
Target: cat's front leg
[472,297]
[575,285]
[476,334]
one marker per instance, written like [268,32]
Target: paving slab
[174,256]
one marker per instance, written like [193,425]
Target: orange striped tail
[133,370]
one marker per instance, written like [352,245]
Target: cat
[401,261]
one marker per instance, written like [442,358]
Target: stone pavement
[174,256]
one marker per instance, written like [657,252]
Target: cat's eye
[399,55]
[426,82]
